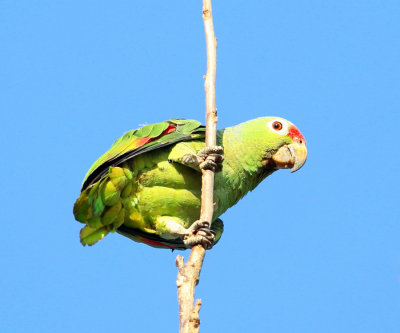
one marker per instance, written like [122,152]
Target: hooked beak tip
[300,155]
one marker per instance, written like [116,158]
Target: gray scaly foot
[211,158]
[200,233]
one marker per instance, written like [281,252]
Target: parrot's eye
[277,125]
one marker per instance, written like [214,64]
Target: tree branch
[188,275]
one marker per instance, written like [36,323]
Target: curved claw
[206,232]
[197,225]
[199,233]
[192,240]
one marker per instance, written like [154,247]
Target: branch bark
[188,275]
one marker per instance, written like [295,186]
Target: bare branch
[188,278]
[188,275]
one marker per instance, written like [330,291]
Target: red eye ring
[277,125]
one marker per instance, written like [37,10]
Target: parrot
[147,186]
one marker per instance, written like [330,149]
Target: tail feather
[100,206]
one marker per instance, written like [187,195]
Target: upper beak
[293,155]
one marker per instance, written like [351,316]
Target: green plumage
[144,188]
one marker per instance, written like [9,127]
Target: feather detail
[142,140]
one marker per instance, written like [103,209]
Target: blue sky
[314,251]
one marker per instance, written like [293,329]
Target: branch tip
[179,263]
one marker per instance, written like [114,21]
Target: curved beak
[293,155]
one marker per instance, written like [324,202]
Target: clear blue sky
[314,251]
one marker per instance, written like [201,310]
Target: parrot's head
[282,142]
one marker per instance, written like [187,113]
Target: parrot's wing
[139,141]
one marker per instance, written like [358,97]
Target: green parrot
[147,186]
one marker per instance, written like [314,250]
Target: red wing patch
[154,243]
[170,129]
[140,142]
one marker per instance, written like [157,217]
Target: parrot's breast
[161,189]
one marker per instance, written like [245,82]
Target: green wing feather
[141,140]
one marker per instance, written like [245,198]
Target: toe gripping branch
[208,158]
[200,233]
[211,158]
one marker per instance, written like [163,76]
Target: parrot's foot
[211,158]
[199,233]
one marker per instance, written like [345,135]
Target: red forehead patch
[295,134]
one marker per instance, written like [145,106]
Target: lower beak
[293,156]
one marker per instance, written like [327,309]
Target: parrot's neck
[244,166]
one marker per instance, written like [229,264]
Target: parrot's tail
[100,206]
